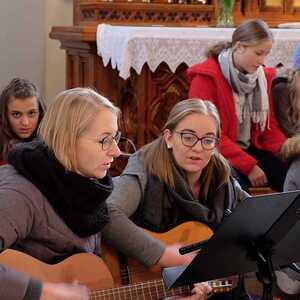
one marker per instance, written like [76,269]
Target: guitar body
[185,234]
[91,271]
[85,268]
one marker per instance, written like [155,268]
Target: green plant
[225,18]
[226,4]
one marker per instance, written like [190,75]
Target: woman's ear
[167,135]
[239,47]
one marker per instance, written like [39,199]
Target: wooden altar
[145,99]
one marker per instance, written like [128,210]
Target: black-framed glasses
[189,139]
[109,140]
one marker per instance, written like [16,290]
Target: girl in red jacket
[234,79]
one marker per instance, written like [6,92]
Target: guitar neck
[154,289]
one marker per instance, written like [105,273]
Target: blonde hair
[293,114]
[290,148]
[159,160]
[251,33]
[67,118]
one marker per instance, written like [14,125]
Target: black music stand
[262,233]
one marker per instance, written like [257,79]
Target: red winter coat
[208,83]
[2,161]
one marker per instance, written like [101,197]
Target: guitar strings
[126,274]
[154,289]
[225,283]
[145,289]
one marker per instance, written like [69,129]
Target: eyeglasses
[126,146]
[109,140]
[190,140]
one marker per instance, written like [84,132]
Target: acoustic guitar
[134,272]
[90,270]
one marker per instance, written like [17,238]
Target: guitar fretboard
[154,290]
[150,290]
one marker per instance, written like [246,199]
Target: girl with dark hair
[234,79]
[21,110]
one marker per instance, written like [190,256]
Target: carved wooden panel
[180,12]
[165,90]
[273,12]
[293,7]
[273,6]
[160,12]
[146,100]
[273,2]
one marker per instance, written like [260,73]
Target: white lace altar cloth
[129,47]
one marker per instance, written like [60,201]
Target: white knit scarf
[252,87]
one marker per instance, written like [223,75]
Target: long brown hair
[21,89]
[293,114]
[158,159]
[250,33]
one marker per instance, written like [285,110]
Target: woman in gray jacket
[180,176]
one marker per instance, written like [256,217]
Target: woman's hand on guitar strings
[201,291]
